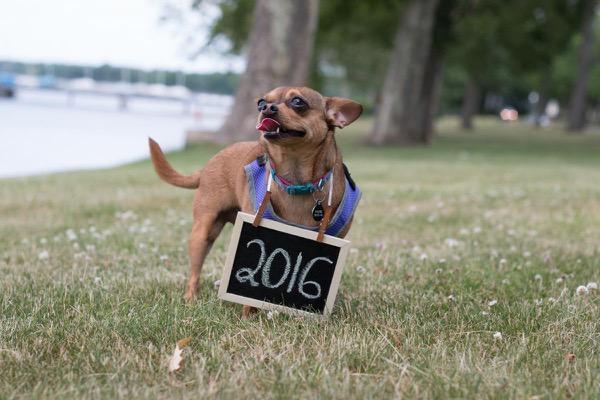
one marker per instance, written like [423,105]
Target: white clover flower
[450,242]
[592,286]
[582,290]
[164,257]
[423,257]
[559,280]
[537,277]
[485,313]
[439,271]
[217,283]
[442,261]
[539,302]
[497,336]
[505,281]
[272,314]
[71,235]
[44,255]
[526,254]
[492,303]
[502,261]
[477,230]
[552,300]
[451,297]
[360,269]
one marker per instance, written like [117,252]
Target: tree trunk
[409,94]
[577,105]
[470,104]
[279,54]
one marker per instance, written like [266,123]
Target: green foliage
[234,24]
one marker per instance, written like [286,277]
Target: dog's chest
[296,209]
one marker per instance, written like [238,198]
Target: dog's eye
[297,102]
[262,104]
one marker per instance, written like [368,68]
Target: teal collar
[304,188]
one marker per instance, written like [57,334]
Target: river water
[40,132]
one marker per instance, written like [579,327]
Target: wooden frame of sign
[308,272]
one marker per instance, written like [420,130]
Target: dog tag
[318,211]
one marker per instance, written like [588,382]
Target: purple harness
[257,175]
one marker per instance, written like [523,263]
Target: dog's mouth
[272,129]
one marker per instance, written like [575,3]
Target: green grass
[504,213]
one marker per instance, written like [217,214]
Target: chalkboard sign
[276,266]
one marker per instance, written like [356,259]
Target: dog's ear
[341,112]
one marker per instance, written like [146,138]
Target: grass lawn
[484,232]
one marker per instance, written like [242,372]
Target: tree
[408,95]
[279,53]
[534,33]
[475,51]
[577,105]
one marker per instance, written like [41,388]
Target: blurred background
[83,83]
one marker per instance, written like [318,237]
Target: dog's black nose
[270,110]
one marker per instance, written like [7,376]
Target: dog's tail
[167,173]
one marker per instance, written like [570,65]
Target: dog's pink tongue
[267,125]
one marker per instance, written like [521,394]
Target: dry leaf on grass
[176,358]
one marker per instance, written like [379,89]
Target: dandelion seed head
[497,335]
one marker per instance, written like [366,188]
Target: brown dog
[298,137]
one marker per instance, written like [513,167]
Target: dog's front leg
[205,231]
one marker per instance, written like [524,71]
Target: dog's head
[302,116]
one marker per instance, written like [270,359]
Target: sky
[118,32]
